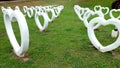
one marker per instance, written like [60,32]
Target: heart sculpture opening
[115,13]
[103,34]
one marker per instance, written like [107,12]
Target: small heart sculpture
[28,11]
[52,11]
[104,10]
[9,16]
[97,8]
[58,9]
[46,19]
[114,11]
[79,11]
[93,38]
[90,13]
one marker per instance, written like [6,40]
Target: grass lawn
[65,43]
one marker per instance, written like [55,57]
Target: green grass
[64,44]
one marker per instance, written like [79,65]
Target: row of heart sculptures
[11,15]
[84,14]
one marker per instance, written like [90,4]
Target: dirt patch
[31,3]
[116,55]
[22,59]
[2,33]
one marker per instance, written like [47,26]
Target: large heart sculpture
[16,15]
[93,38]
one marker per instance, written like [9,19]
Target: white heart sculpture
[85,13]
[49,9]
[28,11]
[17,15]
[46,19]
[58,10]
[79,11]
[101,9]
[88,14]
[112,15]
[93,38]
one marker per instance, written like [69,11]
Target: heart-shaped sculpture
[97,8]
[104,10]
[28,11]
[46,19]
[91,13]
[93,38]
[115,11]
[17,15]
[51,10]
[58,9]
[79,11]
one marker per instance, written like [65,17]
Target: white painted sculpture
[28,11]
[46,19]
[98,21]
[16,15]
[43,11]
[93,38]
[11,15]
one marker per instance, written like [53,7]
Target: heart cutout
[115,13]
[93,38]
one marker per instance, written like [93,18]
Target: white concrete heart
[79,11]
[113,11]
[104,10]
[46,19]
[28,11]
[97,8]
[90,13]
[93,38]
[51,10]
[16,15]
[57,10]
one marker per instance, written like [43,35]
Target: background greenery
[65,43]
